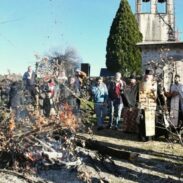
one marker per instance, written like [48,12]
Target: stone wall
[172,51]
[153,28]
[153,52]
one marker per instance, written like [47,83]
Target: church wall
[175,53]
[153,27]
[153,53]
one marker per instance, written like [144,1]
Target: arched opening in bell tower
[162,6]
[146,6]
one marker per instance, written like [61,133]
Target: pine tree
[122,53]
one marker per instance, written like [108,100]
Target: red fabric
[129,123]
[118,89]
[51,87]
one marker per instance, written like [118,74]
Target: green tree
[122,53]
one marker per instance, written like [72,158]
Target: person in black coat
[115,92]
[29,81]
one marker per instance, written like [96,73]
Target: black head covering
[149,71]
[99,78]
[132,76]
[177,76]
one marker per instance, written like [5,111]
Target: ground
[158,161]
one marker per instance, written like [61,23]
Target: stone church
[156,19]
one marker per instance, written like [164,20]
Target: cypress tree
[122,53]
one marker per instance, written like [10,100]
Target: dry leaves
[68,119]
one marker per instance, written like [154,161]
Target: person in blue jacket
[100,97]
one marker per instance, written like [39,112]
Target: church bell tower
[156,20]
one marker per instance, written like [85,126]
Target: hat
[132,76]
[99,78]
[149,71]
[177,76]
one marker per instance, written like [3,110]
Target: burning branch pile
[30,141]
[38,140]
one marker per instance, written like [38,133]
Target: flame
[31,156]
[40,120]
[67,118]
[12,123]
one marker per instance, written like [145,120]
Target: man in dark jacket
[130,111]
[29,81]
[16,99]
[115,90]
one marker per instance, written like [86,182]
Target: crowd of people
[109,97]
[142,106]
[131,106]
[48,92]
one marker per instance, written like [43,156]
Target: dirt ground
[158,161]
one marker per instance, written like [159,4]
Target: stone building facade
[158,30]
[169,51]
[153,51]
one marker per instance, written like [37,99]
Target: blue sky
[42,26]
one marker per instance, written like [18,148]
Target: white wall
[153,27]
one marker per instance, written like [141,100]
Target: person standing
[147,105]
[48,101]
[116,89]
[80,76]
[51,88]
[16,99]
[100,96]
[176,103]
[62,78]
[72,94]
[131,111]
[29,81]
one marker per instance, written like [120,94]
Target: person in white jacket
[176,92]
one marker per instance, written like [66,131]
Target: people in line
[100,97]
[111,99]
